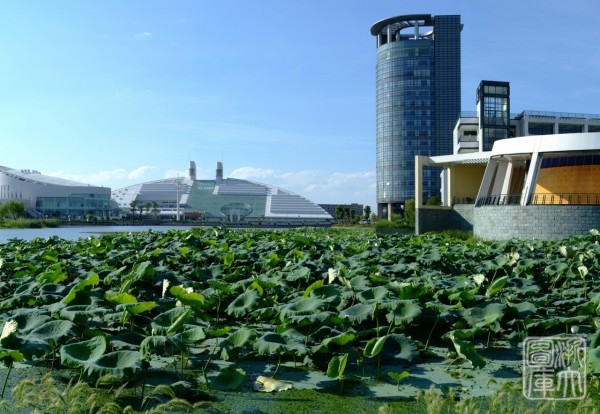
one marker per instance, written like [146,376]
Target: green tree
[155,208]
[134,207]
[433,201]
[367,212]
[409,212]
[147,207]
[12,209]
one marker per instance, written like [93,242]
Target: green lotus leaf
[337,366]
[358,313]
[399,347]
[275,343]
[161,345]
[240,338]
[144,272]
[404,312]
[376,294]
[83,286]
[299,273]
[81,314]
[556,268]
[230,378]
[478,316]
[313,286]
[9,356]
[53,275]
[120,298]
[136,308]
[340,340]
[593,361]
[431,256]
[53,332]
[496,286]
[126,340]
[80,353]
[243,304]
[467,351]
[374,346]
[191,299]
[120,364]
[171,320]
[192,335]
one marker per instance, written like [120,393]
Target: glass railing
[577,199]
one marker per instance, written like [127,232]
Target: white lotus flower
[8,328]
[165,287]
[266,384]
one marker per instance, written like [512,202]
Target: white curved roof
[39,178]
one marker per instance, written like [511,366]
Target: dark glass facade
[417,102]
[493,102]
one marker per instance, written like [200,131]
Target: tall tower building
[418,101]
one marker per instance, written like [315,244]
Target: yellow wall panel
[555,184]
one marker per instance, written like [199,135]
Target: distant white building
[46,196]
[222,200]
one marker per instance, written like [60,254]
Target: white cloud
[318,186]
[142,36]
[176,173]
[250,173]
[139,172]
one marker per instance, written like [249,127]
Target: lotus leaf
[161,345]
[80,353]
[120,364]
[374,346]
[53,332]
[230,378]
[81,288]
[243,304]
[399,347]
[403,312]
[358,313]
[191,299]
[171,321]
[467,351]
[337,366]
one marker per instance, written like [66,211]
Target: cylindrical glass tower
[418,101]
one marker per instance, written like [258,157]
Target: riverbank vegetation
[191,315]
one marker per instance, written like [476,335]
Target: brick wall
[534,221]
[460,217]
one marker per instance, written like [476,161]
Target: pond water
[76,232]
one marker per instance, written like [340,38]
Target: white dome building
[222,200]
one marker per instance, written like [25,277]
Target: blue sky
[116,93]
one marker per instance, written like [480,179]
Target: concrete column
[449,188]
[507,177]
[419,162]
[486,182]
[499,179]
[532,173]
[389,212]
[556,126]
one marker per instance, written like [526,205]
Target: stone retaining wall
[533,221]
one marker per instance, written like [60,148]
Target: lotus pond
[208,317]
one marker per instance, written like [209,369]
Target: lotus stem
[431,333]
[6,380]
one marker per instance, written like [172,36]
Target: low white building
[51,197]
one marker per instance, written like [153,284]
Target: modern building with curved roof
[47,196]
[544,183]
[222,200]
